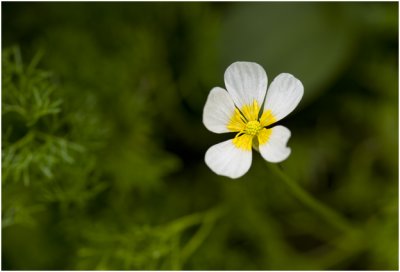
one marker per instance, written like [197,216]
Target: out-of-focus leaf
[311,41]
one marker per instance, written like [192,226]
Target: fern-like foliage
[53,165]
[41,150]
[31,144]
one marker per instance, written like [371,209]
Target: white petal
[284,94]
[246,81]
[218,110]
[226,159]
[275,149]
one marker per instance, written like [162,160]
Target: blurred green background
[103,143]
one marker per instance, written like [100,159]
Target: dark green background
[103,143]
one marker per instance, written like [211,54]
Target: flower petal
[226,159]
[246,82]
[219,112]
[273,144]
[284,94]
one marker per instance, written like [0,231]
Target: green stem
[197,239]
[330,215]
[206,219]
[193,219]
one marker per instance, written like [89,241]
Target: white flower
[239,110]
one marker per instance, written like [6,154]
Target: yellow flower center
[249,126]
[252,128]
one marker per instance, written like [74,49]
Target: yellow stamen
[246,122]
[243,142]
[237,122]
[267,118]
[240,118]
[251,111]
[263,136]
